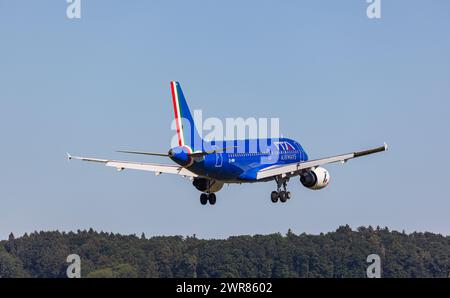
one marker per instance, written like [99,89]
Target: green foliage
[341,253]
[101,273]
[119,271]
[10,267]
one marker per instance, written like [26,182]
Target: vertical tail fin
[187,133]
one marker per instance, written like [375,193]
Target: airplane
[211,164]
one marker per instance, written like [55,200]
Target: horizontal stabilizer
[144,153]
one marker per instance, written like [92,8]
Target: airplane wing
[151,167]
[294,168]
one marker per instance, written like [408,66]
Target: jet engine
[207,185]
[317,178]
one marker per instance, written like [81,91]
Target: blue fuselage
[242,159]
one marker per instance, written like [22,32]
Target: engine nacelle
[317,178]
[206,185]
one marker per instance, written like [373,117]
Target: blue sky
[337,80]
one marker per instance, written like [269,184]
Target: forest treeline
[342,253]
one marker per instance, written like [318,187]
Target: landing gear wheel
[212,198]
[283,197]
[274,196]
[288,195]
[203,199]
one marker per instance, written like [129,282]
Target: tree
[10,267]
[341,253]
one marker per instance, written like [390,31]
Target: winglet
[69,157]
[386,147]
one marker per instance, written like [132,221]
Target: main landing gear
[282,195]
[208,197]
